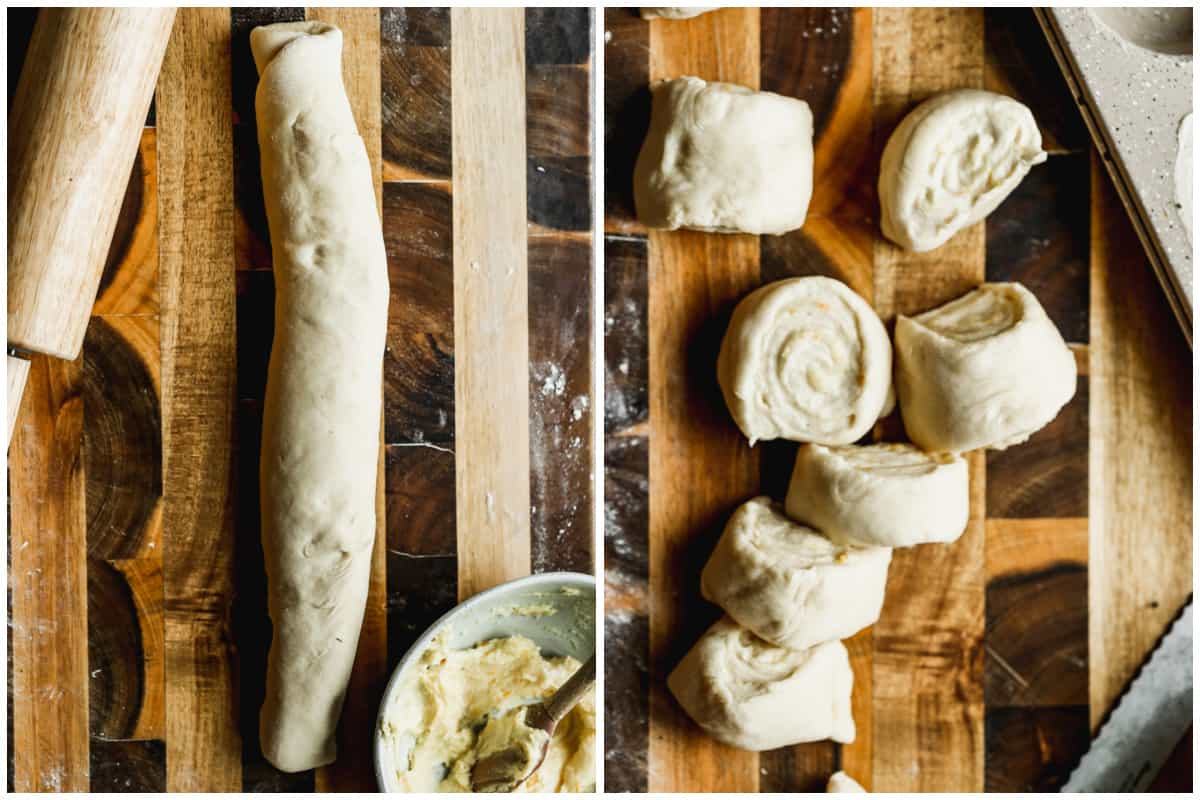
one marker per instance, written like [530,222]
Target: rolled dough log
[841,782]
[321,418]
[676,13]
[789,584]
[986,370]
[881,495]
[723,158]
[749,693]
[951,162]
[805,359]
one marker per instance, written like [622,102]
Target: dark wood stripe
[626,111]
[1039,237]
[1037,637]
[805,54]
[626,617]
[419,362]
[422,561]
[129,283]
[128,766]
[415,55]
[626,346]
[560,403]
[122,439]
[1046,476]
[558,183]
[1033,749]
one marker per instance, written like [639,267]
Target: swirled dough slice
[320,441]
[805,359]
[789,584]
[882,495]
[676,13]
[951,162]
[841,782]
[724,158]
[751,694]
[986,370]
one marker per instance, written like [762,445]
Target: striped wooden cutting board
[138,626]
[994,655]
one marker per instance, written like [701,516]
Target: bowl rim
[558,578]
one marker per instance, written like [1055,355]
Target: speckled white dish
[569,630]
[1130,70]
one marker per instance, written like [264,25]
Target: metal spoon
[506,769]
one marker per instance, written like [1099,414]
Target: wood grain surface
[994,654]
[138,622]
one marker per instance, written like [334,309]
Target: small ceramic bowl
[569,630]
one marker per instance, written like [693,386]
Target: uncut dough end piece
[805,359]
[748,693]
[723,158]
[320,441]
[881,495]
[676,13]
[951,162]
[841,782]
[986,370]
[790,585]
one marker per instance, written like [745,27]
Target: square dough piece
[723,158]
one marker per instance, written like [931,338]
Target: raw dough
[951,162]
[320,441]
[805,359]
[676,13]
[790,585]
[724,158]
[443,708]
[1183,175]
[841,782]
[986,370]
[888,495]
[749,693]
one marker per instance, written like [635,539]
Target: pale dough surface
[841,782]
[676,13]
[883,495]
[805,359]
[789,584]
[1183,175]
[320,441]
[751,694]
[986,370]
[435,720]
[951,162]
[721,157]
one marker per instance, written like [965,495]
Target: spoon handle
[569,693]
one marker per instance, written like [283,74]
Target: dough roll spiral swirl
[805,359]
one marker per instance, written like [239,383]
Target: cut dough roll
[805,359]
[951,162]
[882,495]
[986,370]
[723,158]
[320,441]
[749,693]
[789,584]
[676,13]
[841,782]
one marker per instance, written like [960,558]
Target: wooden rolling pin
[73,133]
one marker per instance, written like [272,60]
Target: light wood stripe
[491,321]
[1140,455]
[18,373]
[354,771]
[48,581]
[699,461]
[928,710]
[196,252]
